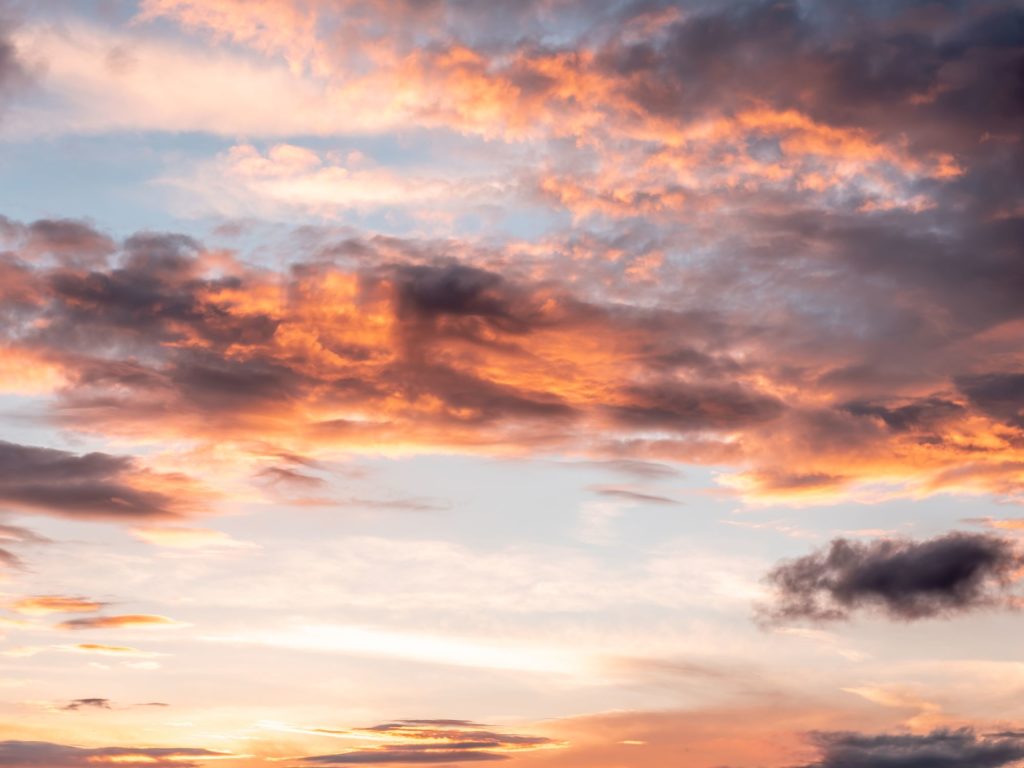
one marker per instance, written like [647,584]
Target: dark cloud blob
[1000,395]
[71,242]
[92,485]
[94,703]
[907,580]
[939,749]
[43,754]
[629,495]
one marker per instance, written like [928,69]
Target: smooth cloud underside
[41,605]
[93,485]
[937,749]
[92,703]
[413,742]
[126,621]
[41,754]
[907,580]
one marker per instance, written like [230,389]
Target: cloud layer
[416,742]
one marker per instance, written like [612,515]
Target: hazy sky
[567,383]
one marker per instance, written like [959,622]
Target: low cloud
[938,749]
[119,622]
[77,704]
[413,742]
[41,605]
[92,485]
[629,495]
[904,579]
[44,754]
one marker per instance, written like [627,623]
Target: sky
[558,383]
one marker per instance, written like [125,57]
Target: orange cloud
[127,621]
[41,605]
[186,538]
[423,353]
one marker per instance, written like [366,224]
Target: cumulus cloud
[937,749]
[907,580]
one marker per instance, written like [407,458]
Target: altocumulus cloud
[907,580]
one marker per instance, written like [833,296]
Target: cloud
[630,495]
[23,754]
[16,533]
[14,74]
[413,742]
[77,704]
[289,179]
[841,320]
[41,605]
[937,749]
[127,621]
[397,344]
[907,580]
[111,650]
[93,485]
[178,537]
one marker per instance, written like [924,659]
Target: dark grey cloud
[904,579]
[687,407]
[14,73]
[1000,395]
[962,748]
[631,495]
[92,485]
[94,703]
[44,754]
[943,78]
[71,242]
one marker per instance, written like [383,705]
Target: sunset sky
[562,383]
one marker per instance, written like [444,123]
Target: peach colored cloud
[41,605]
[127,621]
